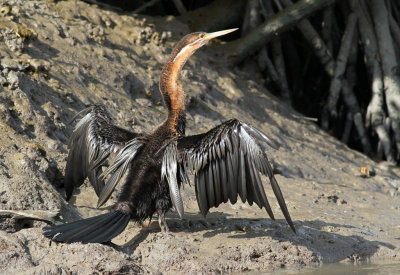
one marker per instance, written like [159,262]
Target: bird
[225,163]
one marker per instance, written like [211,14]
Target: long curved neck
[172,91]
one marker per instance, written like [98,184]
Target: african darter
[225,161]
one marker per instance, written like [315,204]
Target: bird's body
[225,161]
[144,191]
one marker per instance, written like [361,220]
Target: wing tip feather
[235,139]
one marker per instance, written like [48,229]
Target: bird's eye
[202,35]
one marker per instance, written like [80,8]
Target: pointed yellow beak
[212,35]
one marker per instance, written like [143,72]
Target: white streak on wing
[84,120]
[260,135]
[253,149]
[169,171]
[118,168]
[124,157]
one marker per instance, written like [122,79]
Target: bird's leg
[145,224]
[161,221]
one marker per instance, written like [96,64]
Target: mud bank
[58,56]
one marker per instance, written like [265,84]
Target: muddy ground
[58,56]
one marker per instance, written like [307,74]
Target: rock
[341,201]
[12,40]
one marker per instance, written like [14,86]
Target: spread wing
[118,167]
[94,139]
[226,162]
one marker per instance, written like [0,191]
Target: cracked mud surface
[56,57]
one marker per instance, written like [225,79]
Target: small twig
[42,215]
[313,119]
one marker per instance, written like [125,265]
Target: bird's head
[169,86]
[193,41]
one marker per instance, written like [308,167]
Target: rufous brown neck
[170,88]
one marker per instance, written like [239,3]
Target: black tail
[98,229]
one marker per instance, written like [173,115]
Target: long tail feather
[96,229]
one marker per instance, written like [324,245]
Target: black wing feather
[242,177]
[232,180]
[223,179]
[217,184]
[251,194]
[92,141]
[235,168]
[226,162]
[201,193]
[210,186]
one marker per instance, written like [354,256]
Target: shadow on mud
[327,240]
